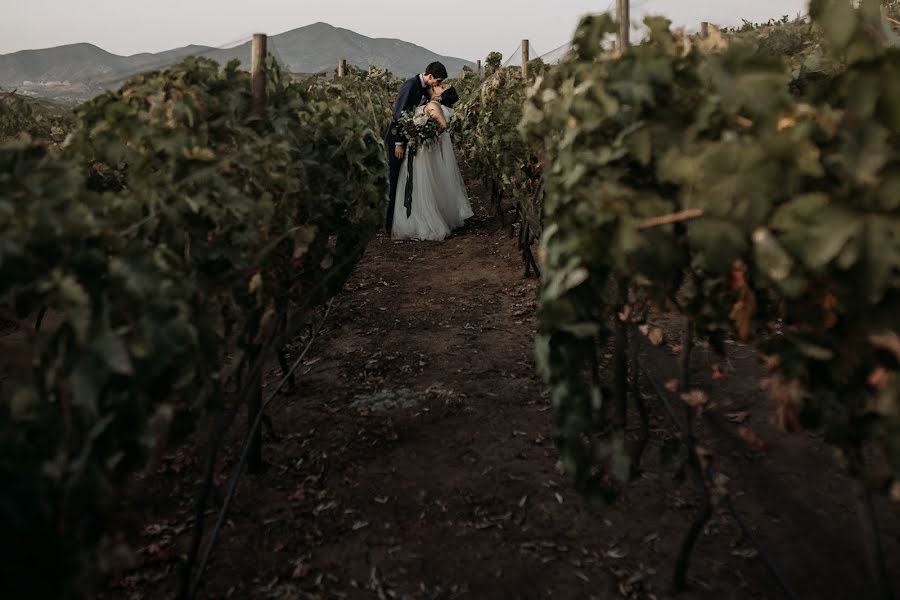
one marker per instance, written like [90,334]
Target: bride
[440,202]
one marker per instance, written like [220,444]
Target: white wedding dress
[440,202]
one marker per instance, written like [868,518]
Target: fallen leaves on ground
[695,398]
[751,438]
[718,372]
[737,417]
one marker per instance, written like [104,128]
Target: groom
[408,98]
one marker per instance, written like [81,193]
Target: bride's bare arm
[437,113]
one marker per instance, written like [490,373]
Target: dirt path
[415,462]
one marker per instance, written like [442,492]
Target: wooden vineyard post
[704,29]
[258,73]
[342,67]
[254,381]
[478,67]
[526,51]
[624,24]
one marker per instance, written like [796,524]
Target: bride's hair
[448,97]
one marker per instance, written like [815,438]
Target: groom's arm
[400,107]
[403,98]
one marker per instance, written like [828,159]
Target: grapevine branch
[678,217]
[218,431]
[239,468]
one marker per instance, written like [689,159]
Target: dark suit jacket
[408,98]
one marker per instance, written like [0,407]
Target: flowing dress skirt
[440,202]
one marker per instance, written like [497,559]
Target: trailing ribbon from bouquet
[419,131]
[407,196]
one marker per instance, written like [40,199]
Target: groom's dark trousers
[408,98]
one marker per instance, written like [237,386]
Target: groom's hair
[438,70]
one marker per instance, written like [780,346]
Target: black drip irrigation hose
[769,563]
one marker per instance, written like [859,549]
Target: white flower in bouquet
[420,119]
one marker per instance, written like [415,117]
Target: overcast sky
[464,28]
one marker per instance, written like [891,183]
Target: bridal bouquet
[420,131]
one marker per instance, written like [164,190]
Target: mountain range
[78,71]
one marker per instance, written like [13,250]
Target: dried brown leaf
[785,396]
[695,398]
[751,438]
[300,571]
[879,378]
[889,341]
[714,41]
[704,456]
[719,488]
[718,372]
[737,417]
[786,123]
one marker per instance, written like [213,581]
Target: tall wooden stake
[342,67]
[704,29]
[258,91]
[478,67]
[526,51]
[624,24]
[258,73]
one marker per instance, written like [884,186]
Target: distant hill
[80,70]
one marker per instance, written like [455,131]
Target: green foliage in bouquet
[420,131]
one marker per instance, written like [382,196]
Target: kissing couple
[439,201]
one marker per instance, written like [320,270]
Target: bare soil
[415,460]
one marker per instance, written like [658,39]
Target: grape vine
[179,240]
[796,250]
